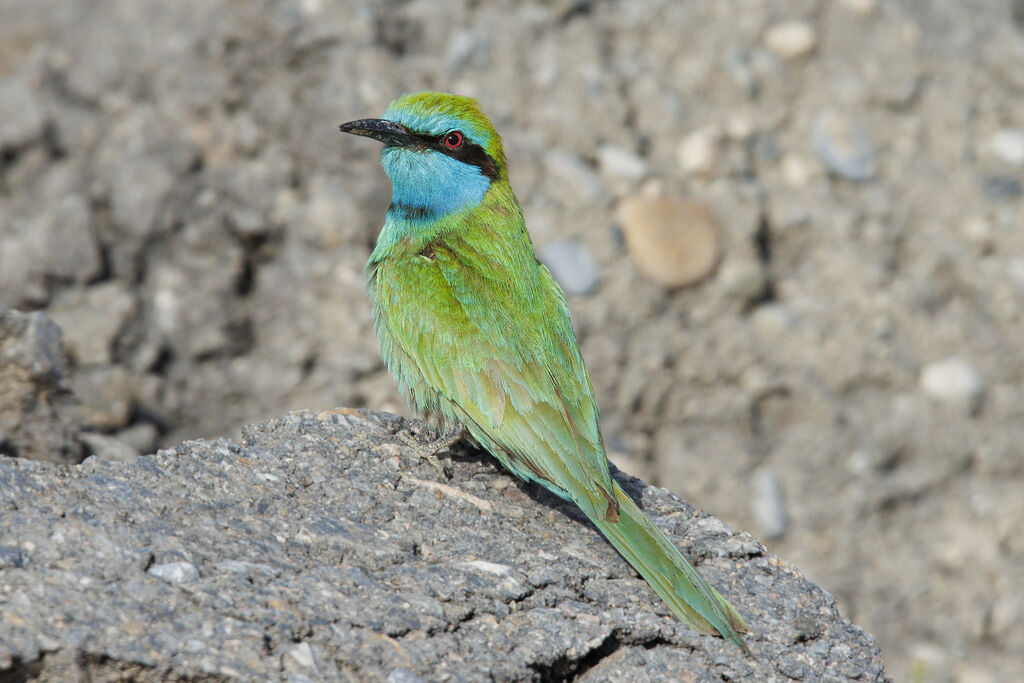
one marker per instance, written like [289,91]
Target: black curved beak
[390,133]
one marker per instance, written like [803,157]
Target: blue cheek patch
[428,184]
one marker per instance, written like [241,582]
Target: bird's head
[440,152]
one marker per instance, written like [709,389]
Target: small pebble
[672,241]
[403,675]
[790,39]
[618,162]
[796,170]
[1008,146]
[844,146]
[108,448]
[1001,187]
[302,654]
[175,572]
[567,168]
[860,6]
[767,503]
[698,152]
[572,265]
[954,381]
[978,231]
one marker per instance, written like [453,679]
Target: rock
[796,170]
[768,503]
[673,241]
[860,6]
[466,48]
[107,396]
[21,114]
[772,321]
[619,163]
[62,242]
[1001,187]
[568,169]
[175,572]
[35,402]
[325,544]
[698,152]
[844,146]
[108,448]
[1007,145]
[92,319]
[955,381]
[572,264]
[790,39]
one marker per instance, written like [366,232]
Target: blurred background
[790,233]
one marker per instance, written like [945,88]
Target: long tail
[651,553]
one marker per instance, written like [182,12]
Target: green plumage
[476,330]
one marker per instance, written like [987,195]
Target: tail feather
[656,559]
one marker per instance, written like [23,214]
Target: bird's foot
[427,449]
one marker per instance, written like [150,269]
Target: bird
[476,330]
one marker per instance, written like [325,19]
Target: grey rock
[572,264]
[567,169]
[999,187]
[35,404]
[332,544]
[844,145]
[108,448]
[768,503]
[92,319]
[175,572]
[21,114]
[106,396]
[620,163]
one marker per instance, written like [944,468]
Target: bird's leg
[434,446]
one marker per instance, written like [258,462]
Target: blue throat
[427,185]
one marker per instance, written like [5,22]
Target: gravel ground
[844,378]
[324,548]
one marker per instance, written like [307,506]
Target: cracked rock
[322,544]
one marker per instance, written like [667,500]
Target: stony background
[849,382]
[322,547]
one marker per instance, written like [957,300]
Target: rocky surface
[848,380]
[324,547]
[36,413]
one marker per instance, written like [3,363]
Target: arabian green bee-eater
[477,331]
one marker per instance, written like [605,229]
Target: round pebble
[860,6]
[1007,145]
[954,381]
[843,145]
[672,241]
[572,265]
[768,504]
[618,162]
[698,152]
[790,39]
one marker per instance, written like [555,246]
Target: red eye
[454,140]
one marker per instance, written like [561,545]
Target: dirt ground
[848,383]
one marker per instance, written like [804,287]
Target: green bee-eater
[476,330]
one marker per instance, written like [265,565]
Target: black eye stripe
[468,153]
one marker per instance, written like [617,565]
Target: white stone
[618,162]
[698,151]
[955,381]
[860,6]
[767,503]
[175,572]
[790,39]
[1007,145]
